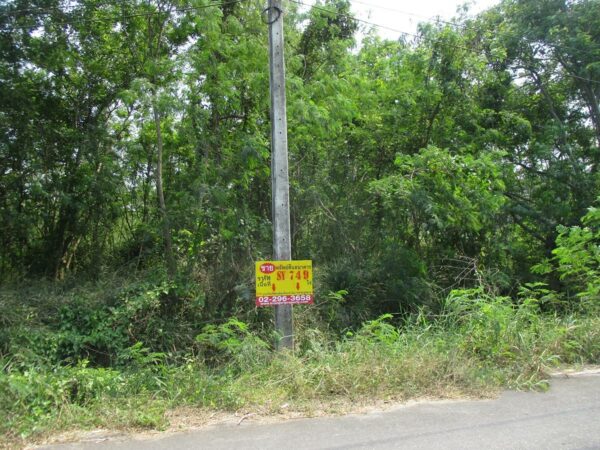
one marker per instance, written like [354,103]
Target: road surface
[565,417]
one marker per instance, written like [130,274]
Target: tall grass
[479,344]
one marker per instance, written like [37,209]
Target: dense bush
[479,343]
[55,324]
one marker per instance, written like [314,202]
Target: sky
[405,15]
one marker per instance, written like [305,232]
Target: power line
[120,17]
[231,2]
[418,37]
[407,33]
[406,13]
[15,12]
[454,24]
[582,78]
[42,11]
[348,16]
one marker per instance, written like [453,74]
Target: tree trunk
[166,228]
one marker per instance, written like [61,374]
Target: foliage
[54,325]
[233,340]
[405,156]
[479,344]
[577,255]
[438,185]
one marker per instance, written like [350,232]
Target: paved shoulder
[565,417]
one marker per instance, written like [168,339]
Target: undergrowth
[478,344]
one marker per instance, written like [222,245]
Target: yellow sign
[284,282]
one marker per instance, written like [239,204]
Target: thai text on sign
[284,282]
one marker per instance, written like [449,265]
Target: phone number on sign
[268,300]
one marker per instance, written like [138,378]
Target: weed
[479,344]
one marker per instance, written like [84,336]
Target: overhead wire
[231,2]
[126,16]
[15,12]
[406,13]
[356,19]
[39,12]
[438,20]
[8,12]
[348,16]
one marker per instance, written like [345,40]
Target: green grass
[480,344]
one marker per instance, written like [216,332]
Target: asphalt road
[565,417]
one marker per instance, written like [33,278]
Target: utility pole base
[284,324]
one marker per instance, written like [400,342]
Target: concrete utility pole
[282,246]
